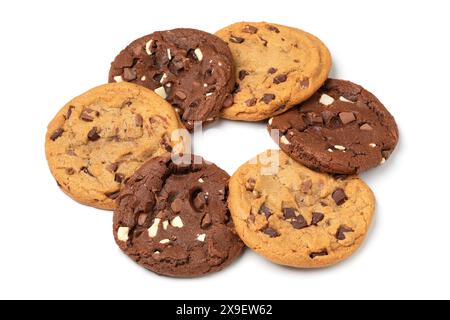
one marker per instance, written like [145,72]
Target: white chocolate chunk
[143,78]
[343,99]
[341,148]
[373,145]
[169,54]
[330,150]
[201,237]
[153,230]
[122,234]
[201,180]
[164,241]
[199,54]
[161,92]
[209,94]
[326,100]
[284,140]
[118,79]
[177,222]
[165,224]
[383,160]
[163,78]
[205,85]
[148,46]
[270,121]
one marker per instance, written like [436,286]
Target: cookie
[342,129]
[98,140]
[277,67]
[172,218]
[297,217]
[191,69]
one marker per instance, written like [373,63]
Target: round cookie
[277,67]
[296,217]
[342,129]
[191,69]
[172,218]
[100,138]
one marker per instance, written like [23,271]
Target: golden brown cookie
[277,67]
[296,217]
[99,139]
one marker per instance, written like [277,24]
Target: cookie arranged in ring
[342,129]
[191,69]
[296,217]
[99,139]
[173,218]
[277,67]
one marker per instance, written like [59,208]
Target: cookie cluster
[124,146]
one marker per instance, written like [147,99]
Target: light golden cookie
[99,139]
[296,217]
[277,67]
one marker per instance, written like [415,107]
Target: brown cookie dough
[191,69]
[173,218]
[297,217]
[342,129]
[277,67]
[98,140]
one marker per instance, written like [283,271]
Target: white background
[51,51]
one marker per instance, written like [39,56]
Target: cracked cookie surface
[193,70]
[342,129]
[173,218]
[98,140]
[277,67]
[295,216]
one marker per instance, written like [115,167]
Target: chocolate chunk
[176,205]
[56,134]
[138,120]
[142,219]
[69,112]
[289,213]
[206,221]
[200,201]
[113,195]
[112,167]
[250,29]
[340,234]
[129,74]
[271,232]
[237,88]
[235,39]
[304,84]
[347,117]
[265,211]
[250,184]
[86,115]
[267,98]
[314,119]
[339,196]
[86,170]
[316,218]
[93,134]
[272,70]
[251,102]
[228,101]
[299,222]
[366,127]
[70,171]
[280,79]
[306,186]
[119,177]
[322,253]
[180,95]
[243,74]
[273,29]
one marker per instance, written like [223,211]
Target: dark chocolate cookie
[342,129]
[173,218]
[191,69]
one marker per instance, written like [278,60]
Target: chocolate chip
[86,115]
[347,117]
[138,120]
[243,74]
[322,253]
[119,177]
[366,127]
[250,29]
[93,134]
[206,221]
[272,70]
[280,79]
[180,95]
[250,184]
[176,205]
[113,195]
[112,167]
[306,186]
[265,211]
[129,74]
[316,218]
[299,222]
[142,219]
[339,196]
[69,112]
[289,213]
[56,134]
[267,98]
[271,232]
[235,39]
[340,234]
[251,102]
[70,171]
[273,29]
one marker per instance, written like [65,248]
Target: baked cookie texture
[341,129]
[192,69]
[172,218]
[297,217]
[277,67]
[99,139]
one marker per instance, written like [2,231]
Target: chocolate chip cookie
[191,69]
[172,218]
[296,217]
[98,140]
[277,67]
[342,129]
